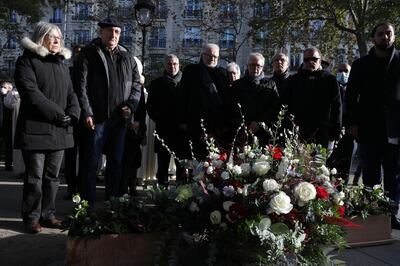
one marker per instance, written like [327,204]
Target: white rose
[280,203]
[194,207]
[215,217]
[225,175]
[245,168]
[261,168]
[210,170]
[237,170]
[227,204]
[264,224]
[324,170]
[76,199]
[206,164]
[270,185]
[333,171]
[305,192]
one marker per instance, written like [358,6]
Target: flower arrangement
[364,201]
[262,205]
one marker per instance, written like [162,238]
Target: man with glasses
[313,97]
[258,97]
[373,108]
[203,96]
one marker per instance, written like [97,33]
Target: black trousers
[40,184]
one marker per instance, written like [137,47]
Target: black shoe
[33,227]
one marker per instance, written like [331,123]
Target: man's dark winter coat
[45,87]
[91,82]
[313,97]
[373,97]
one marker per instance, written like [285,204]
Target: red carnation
[276,153]
[322,193]
[223,157]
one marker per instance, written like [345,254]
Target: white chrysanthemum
[333,171]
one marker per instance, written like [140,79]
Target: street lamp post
[144,14]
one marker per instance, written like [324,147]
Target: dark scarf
[255,80]
[210,96]
[174,81]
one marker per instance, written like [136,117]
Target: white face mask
[342,77]
[4,91]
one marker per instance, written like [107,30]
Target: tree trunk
[362,44]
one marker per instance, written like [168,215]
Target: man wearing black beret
[107,83]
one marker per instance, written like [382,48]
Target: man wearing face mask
[203,95]
[313,97]
[258,97]
[342,155]
[373,108]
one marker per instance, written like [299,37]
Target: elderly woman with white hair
[49,107]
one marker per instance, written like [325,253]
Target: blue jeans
[108,138]
[40,184]
[375,156]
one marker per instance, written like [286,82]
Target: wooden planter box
[109,250]
[375,230]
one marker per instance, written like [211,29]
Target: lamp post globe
[144,14]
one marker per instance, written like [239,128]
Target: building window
[261,10]
[11,43]
[192,37]
[127,33]
[161,11]
[13,16]
[57,15]
[81,36]
[228,11]
[295,61]
[9,65]
[158,37]
[193,9]
[227,38]
[81,11]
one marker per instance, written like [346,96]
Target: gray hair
[168,57]
[281,55]
[233,65]
[209,46]
[255,55]
[313,49]
[42,29]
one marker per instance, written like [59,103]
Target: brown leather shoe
[33,227]
[52,223]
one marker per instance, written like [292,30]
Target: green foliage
[364,201]
[325,23]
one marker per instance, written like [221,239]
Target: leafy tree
[327,22]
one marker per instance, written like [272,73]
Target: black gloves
[63,121]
